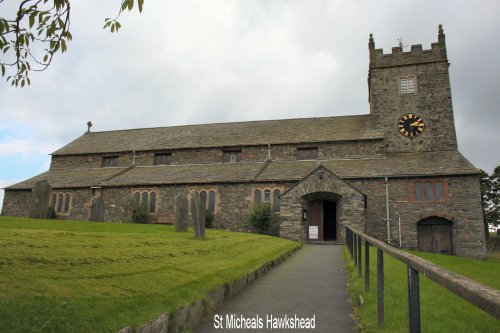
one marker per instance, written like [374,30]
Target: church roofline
[220,135]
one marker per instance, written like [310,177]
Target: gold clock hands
[417,123]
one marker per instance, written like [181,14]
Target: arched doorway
[435,234]
[322,216]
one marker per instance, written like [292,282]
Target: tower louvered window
[407,85]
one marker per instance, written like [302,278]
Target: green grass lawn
[65,276]
[440,309]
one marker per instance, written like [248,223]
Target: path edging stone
[190,315]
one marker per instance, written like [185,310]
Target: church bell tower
[410,97]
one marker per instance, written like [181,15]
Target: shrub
[260,218]
[51,213]
[140,215]
[209,218]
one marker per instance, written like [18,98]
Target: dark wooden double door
[323,214]
[435,235]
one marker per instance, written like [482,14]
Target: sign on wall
[313,232]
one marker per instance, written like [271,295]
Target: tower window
[407,85]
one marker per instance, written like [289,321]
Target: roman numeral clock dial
[411,125]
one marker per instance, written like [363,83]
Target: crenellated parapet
[416,55]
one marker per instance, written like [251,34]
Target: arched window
[67,199]
[438,188]
[267,196]
[211,201]
[59,205]
[53,200]
[152,202]
[144,200]
[203,199]
[257,198]
[137,199]
[276,200]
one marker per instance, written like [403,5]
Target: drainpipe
[399,229]
[268,151]
[387,219]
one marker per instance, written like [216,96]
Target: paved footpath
[310,284]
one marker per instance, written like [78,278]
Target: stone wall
[16,203]
[432,101]
[462,206]
[344,149]
[320,185]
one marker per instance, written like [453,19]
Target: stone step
[318,242]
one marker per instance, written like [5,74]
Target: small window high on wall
[163,158]
[407,85]
[232,155]
[309,153]
[110,161]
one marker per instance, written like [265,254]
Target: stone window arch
[257,198]
[147,199]
[269,196]
[60,202]
[208,198]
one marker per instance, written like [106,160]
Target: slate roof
[70,178]
[392,165]
[250,133]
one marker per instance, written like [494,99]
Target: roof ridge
[229,123]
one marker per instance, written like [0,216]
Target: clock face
[411,125]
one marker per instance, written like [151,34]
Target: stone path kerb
[312,282]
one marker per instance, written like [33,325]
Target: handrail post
[380,289]
[413,301]
[367,266]
[348,237]
[355,257]
[359,257]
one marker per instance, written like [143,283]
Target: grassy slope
[82,276]
[440,310]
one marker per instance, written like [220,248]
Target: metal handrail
[484,297]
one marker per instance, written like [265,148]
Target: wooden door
[425,241]
[315,216]
[435,235]
[442,239]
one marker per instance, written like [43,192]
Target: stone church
[395,173]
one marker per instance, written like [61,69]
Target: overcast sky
[198,61]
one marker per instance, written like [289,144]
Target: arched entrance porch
[319,206]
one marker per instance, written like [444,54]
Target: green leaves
[112,24]
[36,32]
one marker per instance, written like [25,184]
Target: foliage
[436,302]
[66,276]
[490,194]
[209,218]
[140,215]
[51,214]
[260,218]
[38,30]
